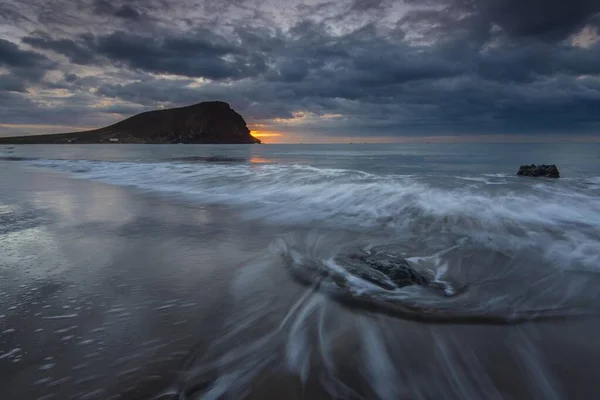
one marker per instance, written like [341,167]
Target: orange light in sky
[260,134]
[270,136]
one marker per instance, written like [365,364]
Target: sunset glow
[260,134]
[307,71]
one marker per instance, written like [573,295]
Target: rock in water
[547,171]
[383,268]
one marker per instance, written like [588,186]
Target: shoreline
[106,282]
[138,294]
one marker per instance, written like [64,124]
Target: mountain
[207,122]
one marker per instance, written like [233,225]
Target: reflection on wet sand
[115,294]
[260,160]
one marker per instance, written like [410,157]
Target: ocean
[218,272]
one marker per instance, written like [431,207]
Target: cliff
[208,122]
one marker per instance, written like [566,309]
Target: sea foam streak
[559,219]
[522,248]
[504,290]
[505,242]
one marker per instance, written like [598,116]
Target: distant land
[208,122]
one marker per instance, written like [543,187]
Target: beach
[115,284]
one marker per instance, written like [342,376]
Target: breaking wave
[484,249]
[558,219]
[450,286]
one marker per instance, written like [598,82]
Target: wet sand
[104,292]
[110,293]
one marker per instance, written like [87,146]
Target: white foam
[526,213]
[382,373]
[10,353]
[66,316]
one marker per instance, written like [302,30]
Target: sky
[308,70]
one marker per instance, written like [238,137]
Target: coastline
[138,295]
[64,139]
[106,290]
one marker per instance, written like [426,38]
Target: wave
[209,159]
[557,219]
[16,158]
[313,336]
[592,183]
[507,291]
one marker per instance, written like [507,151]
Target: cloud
[551,20]
[23,64]
[125,11]
[200,54]
[77,50]
[544,19]
[12,56]
[71,77]
[382,67]
[11,83]
[364,5]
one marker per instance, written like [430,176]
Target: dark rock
[548,171]
[383,268]
[208,122]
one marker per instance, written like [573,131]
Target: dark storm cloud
[11,83]
[197,54]
[125,11]
[368,5]
[201,53]
[12,56]
[24,64]
[71,77]
[364,67]
[547,19]
[78,51]
[542,19]
[364,5]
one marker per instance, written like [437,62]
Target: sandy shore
[109,293]
[105,291]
